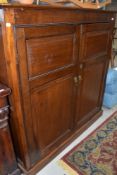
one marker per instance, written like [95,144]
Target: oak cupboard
[55,61]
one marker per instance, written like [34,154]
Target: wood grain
[56,61]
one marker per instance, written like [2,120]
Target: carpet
[96,154]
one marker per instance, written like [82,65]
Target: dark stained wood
[16,121]
[62,88]
[57,112]
[61,146]
[48,31]
[56,61]
[93,61]
[8,164]
[59,53]
[90,87]
[41,18]
[98,34]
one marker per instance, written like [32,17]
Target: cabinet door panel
[49,48]
[95,41]
[90,90]
[96,44]
[52,112]
[50,53]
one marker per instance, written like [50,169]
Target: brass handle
[80,78]
[76,80]
[81,66]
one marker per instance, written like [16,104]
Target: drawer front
[95,40]
[49,49]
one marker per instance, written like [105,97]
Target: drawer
[46,54]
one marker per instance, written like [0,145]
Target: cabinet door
[93,63]
[47,57]
[52,112]
[90,90]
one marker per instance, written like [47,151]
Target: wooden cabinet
[8,164]
[56,61]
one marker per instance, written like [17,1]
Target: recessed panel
[49,53]
[95,41]
[52,112]
[95,44]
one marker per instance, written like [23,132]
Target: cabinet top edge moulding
[20,15]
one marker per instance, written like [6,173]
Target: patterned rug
[96,154]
